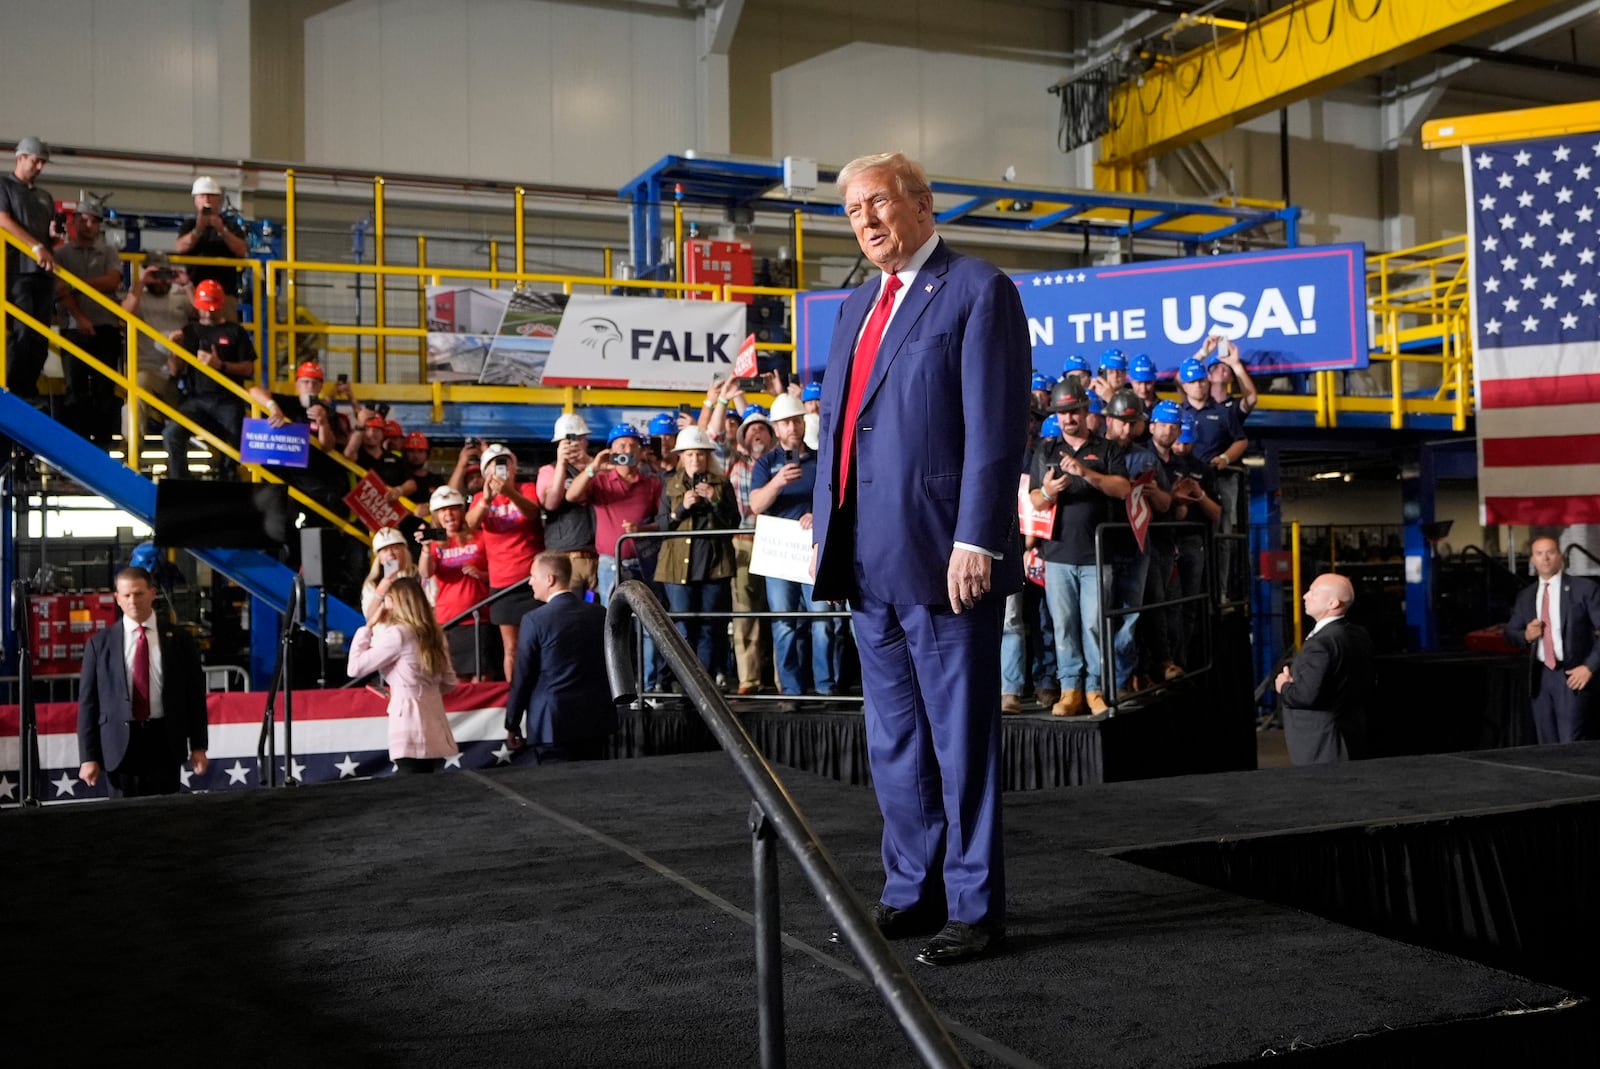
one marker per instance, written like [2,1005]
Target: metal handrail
[282,682]
[31,773]
[774,815]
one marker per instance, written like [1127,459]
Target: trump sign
[1289,310]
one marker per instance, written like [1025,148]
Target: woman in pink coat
[411,653]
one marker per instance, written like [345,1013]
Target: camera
[574,438]
[699,477]
[343,379]
[163,274]
[206,210]
[622,460]
[382,410]
[500,464]
[434,534]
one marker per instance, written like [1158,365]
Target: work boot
[1011,703]
[1071,704]
[1046,696]
[1097,702]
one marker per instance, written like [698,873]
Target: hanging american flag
[1534,226]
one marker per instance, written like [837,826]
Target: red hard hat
[391,429]
[208,295]
[416,440]
[309,370]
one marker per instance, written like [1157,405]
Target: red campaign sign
[369,500]
[1041,523]
[1139,508]
[744,366]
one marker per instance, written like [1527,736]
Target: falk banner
[1289,311]
[645,343]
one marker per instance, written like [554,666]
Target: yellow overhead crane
[1295,52]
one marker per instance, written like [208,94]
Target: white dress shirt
[130,642]
[1554,584]
[908,275]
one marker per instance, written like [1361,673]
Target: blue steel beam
[1045,222]
[950,215]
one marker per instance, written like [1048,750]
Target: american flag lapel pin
[928,288]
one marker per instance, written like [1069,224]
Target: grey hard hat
[1125,404]
[32,146]
[1068,395]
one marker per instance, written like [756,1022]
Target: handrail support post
[769,933]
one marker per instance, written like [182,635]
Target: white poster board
[781,550]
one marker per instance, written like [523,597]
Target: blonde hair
[408,565]
[910,180]
[408,607]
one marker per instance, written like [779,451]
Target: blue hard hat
[662,423]
[811,392]
[1186,435]
[1142,369]
[753,410]
[1074,363]
[1191,370]
[1166,412]
[1041,382]
[1096,406]
[1113,360]
[1051,427]
[144,556]
[623,430]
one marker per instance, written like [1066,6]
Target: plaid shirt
[739,477]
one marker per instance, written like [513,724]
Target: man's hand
[1070,466]
[602,461]
[1283,680]
[47,262]
[1534,631]
[85,328]
[89,772]
[276,418]
[199,761]
[787,474]
[805,525]
[515,741]
[1578,678]
[967,579]
[1220,461]
[691,497]
[1053,483]
[209,358]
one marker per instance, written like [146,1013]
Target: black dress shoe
[958,942]
[899,923]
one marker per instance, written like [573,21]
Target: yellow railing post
[258,328]
[521,258]
[494,265]
[799,256]
[134,429]
[422,308]
[290,253]
[1294,572]
[679,268]
[379,281]
[5,317]
[608,261]
[1397,413]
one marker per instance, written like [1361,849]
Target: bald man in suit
[1324,692]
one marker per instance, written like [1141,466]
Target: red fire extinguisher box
[720,262]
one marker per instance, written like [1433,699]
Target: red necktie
[1549,639]
[860,371]
[141,678]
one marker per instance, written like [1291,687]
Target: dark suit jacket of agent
[1325,708]
[1560,714]
[559,682]
[105,696]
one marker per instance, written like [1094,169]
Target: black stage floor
[595,916]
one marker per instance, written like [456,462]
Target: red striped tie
[860,372]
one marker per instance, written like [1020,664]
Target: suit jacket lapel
[924,288]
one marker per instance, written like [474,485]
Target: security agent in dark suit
[1323,693]
[1556,619]
[141,713]
[559,679]
[914,522]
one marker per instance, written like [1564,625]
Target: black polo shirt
[1080,508]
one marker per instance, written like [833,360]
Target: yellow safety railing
[136,396]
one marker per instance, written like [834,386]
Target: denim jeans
[789,639]
[1190,643]
[1127,592]
[708,638]
[1014,647]
[1073,593]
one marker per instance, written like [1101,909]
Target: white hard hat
[495,452]
[205,184]
[786,407]
[446,497]
[569,423]
[692,438]
[386,537]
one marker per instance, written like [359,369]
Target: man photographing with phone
[569,525]
[212,233]
[625,499]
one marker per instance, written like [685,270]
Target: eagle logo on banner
[1139,508]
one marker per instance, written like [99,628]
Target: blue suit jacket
[940,436]
[559,680]
[105,696]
